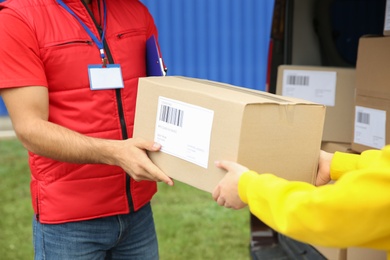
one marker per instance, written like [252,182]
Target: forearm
[338,215]
[62,144]
[39,136]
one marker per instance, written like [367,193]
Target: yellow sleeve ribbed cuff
[243,184]
[341,163]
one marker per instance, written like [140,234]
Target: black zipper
[119,100]
[70,43]
[37,215]
[122,123]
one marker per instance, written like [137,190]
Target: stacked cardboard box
[372,104]
[331,86]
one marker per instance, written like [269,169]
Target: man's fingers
[146,169]
[156,174]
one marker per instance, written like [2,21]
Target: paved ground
[6,130]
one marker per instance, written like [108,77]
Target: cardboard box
[372,123]
[210,121]
[332,253]
[373,61]
[351,253]
[333,87]
[372,101]
[332,147]
[354,253]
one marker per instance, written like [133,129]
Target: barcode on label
[363,118]
[171,115]
[298,80]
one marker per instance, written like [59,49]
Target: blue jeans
[131,236]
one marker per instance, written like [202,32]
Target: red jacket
[63,192]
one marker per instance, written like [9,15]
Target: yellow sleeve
[346,162]
[355,211]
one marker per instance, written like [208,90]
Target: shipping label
[184,130]
[314,86]
[370,127]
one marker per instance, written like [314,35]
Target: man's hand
[131,156]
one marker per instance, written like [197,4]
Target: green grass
[190,225]
[15,210]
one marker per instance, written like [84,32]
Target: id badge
[109,77]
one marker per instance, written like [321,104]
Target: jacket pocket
[128,49]
[66,63]
[130,33]
[69,43]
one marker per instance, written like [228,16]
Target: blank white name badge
[109,77]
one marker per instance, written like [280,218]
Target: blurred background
[221,40]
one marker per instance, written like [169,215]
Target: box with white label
[330,86]
[372,105]
[200,121]
[372,123]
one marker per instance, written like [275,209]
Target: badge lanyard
[98,42]
[105,76]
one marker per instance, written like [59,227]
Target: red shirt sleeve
[20,54]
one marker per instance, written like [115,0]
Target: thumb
[147,145]
[155,147]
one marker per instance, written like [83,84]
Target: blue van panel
[221,40]
[3,109]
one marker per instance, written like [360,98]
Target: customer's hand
[226,192]
[132,157]
[323,174]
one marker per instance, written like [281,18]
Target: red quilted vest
[63,192]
